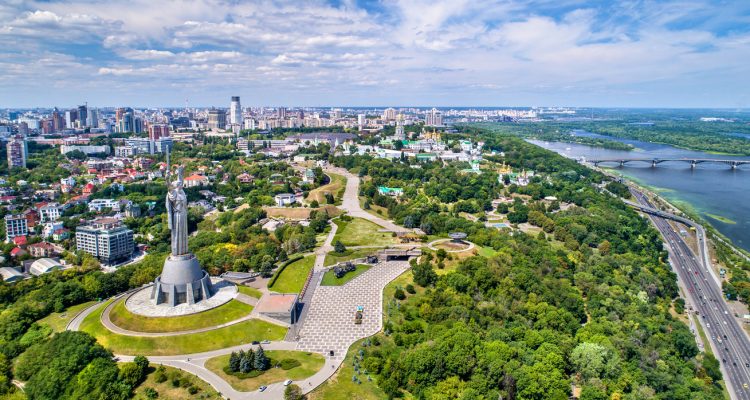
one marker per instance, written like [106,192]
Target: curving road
[728,340]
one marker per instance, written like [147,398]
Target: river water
[712,190]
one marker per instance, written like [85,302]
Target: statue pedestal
[181,281]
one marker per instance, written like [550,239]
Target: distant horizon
[724,109]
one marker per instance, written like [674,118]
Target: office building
[217,119]
[58,122]
[15,225]
[82,116]
[433,118]
[71,116]
[106,244]
[17,152]
[235,111]
[282,112]
[148,146]
[92,119]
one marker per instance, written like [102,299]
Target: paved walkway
[432,244]
[330,323]
[350,202]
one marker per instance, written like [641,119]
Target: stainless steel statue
[182,279]
[177,214]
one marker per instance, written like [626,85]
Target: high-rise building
[106,244]
[126,121]
[17,152]
[83,116]
[23,128]
[71,116]
[92,118]
[217,119]
[156,131]
[389,114]
[58,122]
[235,111]
[361,121]
[281,112]
[433,118]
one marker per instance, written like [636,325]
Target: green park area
[335,187]
[165,382]
[233,335]
[230,311]
[250,291]
[330,279]
[308,365]
[361,232]
[342,387]
[292,278]
[59,321]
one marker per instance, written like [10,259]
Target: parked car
[287,382]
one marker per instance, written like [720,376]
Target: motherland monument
[182,279]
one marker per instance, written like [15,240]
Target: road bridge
[693,162]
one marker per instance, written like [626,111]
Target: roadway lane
[729,342]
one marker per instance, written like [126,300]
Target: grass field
[59,321]
[241,333]
[120,316]
[341,387]
[250,291]
[361,232]
[333,258]
[335,187]
[167,391]
[310,364]
[329,278]
[292,279]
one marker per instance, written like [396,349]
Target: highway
[729,342]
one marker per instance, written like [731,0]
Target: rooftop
[276,303]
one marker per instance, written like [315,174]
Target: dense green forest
[587,301]
[689,133]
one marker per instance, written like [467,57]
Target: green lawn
[168,391]
[333,257]
[230,311]
[250,291]
[330,279]
[59,321]
[341,387]
[486,251]
[241,333]
[361,232]
[292,279]
[335,187]
[310,364]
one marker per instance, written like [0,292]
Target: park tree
[424,275]
[339,247]
[261,361]
[234,362]
[293,392]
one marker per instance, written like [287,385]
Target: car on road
[287,382]
[262,388]
[255,342]
[744,385]
[265,342]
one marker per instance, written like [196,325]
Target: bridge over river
[693,162]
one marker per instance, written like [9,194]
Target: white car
[287,382]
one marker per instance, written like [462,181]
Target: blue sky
[685,53]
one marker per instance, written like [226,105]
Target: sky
[684,53]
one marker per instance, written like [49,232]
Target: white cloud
[484,47]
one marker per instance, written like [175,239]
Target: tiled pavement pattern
[330,322]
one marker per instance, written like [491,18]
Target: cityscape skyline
[443,54]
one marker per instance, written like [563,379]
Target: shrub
[399,294]
[151,393]
[289,363]
[193,389]
[410,289]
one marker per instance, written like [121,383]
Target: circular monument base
[141,303]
